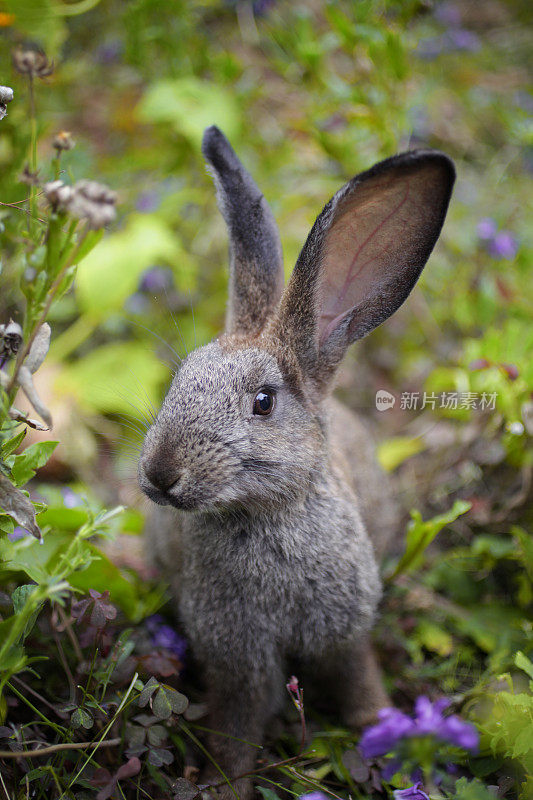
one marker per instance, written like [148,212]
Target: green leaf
[420,534]
[177,700]
[434,638]
[393,452]
[161,705]
[149,688]
[19,599]
[523,663]
[81,718]
[191,105]
[10,445]
[113,377]
[268,794]
[33,457]
[119,261]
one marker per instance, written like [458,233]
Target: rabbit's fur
[277,522]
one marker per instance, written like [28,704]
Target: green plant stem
[11,389]
[206,752]
[105,732]
[59,729]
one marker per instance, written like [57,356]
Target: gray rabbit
[280,513]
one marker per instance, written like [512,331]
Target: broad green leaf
[434,638]
[147,691]
[33,457]
[116,264]
[161,705]
[420,534]
[393,452]
[191,105]
[114,378]
[10,445]
[523,663]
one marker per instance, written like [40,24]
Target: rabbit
[263,474]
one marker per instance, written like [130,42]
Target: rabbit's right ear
[256,262]
[363,256]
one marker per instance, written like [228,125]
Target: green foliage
[420,534]
[310,94]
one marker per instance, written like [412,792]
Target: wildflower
[486,228]
[32,62]
[148,201]
[411,793]
[70,498]
[313,796]
[6,96]
[381,738]
[63,141]
[460,733]
[155,279]
[503,245]
[162,635]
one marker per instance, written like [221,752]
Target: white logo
[384,400]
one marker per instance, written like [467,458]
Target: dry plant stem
[42,699]
[51,295]
[71,635]
[54,748]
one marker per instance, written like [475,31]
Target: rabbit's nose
[162,476]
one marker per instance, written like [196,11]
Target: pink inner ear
[377,234]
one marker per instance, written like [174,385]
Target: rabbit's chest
[253,594]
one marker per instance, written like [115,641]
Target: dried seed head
[6,96]
[28,177]
[10,340]
[32,62]
[63,141]
[94,202]
[58,194]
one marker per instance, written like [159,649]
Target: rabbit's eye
[264,402]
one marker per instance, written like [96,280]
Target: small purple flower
[313,796]
[462,39]
[487,228]
[70,498]
[412,793]
[448,14]
[381,738]
[156,279]
[503,245]
[109,51]
[137,303]
[462,734]
[148,201]
[429,717]
[164,636]
[18,533]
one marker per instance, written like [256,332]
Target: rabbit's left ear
[363,256]
[256,261]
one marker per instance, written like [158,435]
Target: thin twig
[44,751]
[70,633]
[43,700]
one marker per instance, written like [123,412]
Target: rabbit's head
[243,422]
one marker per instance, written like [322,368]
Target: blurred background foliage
[309,93]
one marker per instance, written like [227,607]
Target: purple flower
[429,717]
[503,245]
[461,733]
[70,498]
[18,533]
[462,39]
[164,636]
[156,279]
[381,738]
[148,201]
[412,793]
[487,228]
[448,14]
[137,303]
[313,796]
